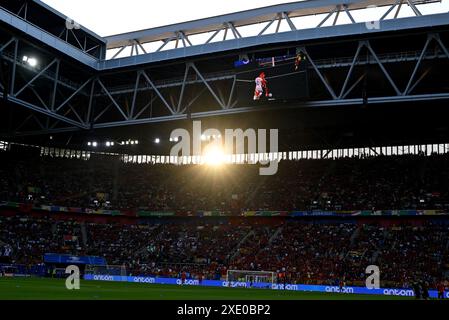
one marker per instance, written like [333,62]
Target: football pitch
[54,289]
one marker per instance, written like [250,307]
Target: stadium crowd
[304,251]
[374,183]
[308,252]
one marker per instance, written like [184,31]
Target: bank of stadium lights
[175,139]
[212,137]
[32,62]
[157,141]
[129,142]
[95,144]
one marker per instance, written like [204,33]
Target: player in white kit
[261,86]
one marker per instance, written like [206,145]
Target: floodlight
[32,62]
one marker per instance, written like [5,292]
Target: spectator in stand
[376,183]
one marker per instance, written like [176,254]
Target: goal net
[110,270]
[250,279]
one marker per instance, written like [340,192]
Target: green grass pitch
[53,289]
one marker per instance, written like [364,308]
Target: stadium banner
[9,204]
[57,209]
[291,287]
[212,214]
[68,259]
[142,213]
[314,214]
[155,214]
[104,212]
[369,213]
[265,214]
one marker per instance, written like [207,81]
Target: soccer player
[298,61]
[261,86]
[341,284]
[284,278]
[417,289]
[183,277]
[440,288]
[425,290]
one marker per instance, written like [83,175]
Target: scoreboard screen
[285,82]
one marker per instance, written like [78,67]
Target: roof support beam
[387,75]
[268,25]
[221,103]
[112,99]
[323,80]
[170,108]
[35,77]
[73,94]
[327,17]
[414,8]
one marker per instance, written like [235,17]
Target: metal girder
[34,78]
[180,109]
[244,18]
[266,15]
[52,40]
[327,17]
[145,108]
[46,112]
[220,102]
[170,108]
[414,8]
[55,85]
[318,72]
[118,107]
[3,47]
[268,25]
[199,115]
[314,104]
[79,49]
[337,100]
[345,8]
[73,94]
[276,39]
[14,59]
[387,75]
[192,101]
[350,70]
[20,18]
[181,95]
[320,64]
[14,67]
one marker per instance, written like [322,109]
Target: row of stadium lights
[156,141]
[112,143]
[203,138]
[30,60]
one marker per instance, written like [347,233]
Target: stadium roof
[63,96]
[243,18]
[65,18]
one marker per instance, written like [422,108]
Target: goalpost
[109,270]
[256,279]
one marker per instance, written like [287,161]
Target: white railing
[421,149]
